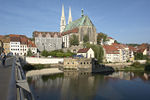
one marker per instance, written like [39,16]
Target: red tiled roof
[15,39]
[31,44]
[110,38]
[111,49]
[75,30]
[22,39]
[84,50]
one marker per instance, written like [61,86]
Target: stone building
[81,27]
[47,40]
[84,64]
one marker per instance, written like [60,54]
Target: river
[76,86]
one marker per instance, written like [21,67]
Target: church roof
[83,21]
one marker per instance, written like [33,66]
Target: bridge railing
[19,88]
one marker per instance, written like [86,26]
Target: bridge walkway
[5,78]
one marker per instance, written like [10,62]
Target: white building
[110,41]
[86,52]
[20,44]
[15,45]
[118,53]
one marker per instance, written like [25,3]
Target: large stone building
[48,40]
[81,27]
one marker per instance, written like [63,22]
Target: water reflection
[85,86]
[129,75]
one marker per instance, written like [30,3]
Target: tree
[101,36]
[140,56]
[86,38]
[45,53]
[74,40]
[29,53]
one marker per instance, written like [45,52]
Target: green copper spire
[82,12]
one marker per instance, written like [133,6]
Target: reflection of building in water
[122,75]
[72,86]
[78,84]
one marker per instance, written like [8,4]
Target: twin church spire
[63,20]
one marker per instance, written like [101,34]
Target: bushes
[29,67]
[58,53]
[136,64]
[147,66]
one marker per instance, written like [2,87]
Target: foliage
[101,36]
[29,67]
[58,53]
[86,38]
[45,53]
[133,45]
[136,64]
[147,66]
[74,40]
[29,53]
[98,51]
[140,56]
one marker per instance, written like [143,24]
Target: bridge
[13,83]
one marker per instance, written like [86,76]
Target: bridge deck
[5,77]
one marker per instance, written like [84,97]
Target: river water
[76,86]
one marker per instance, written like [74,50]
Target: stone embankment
[118,65]
[43,72]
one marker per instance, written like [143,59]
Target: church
[80,27]
[57,40]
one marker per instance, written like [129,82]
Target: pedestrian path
[5,78]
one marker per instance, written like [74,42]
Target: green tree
[86,38]
[140,56]
[45,53]
[29,53]
[74,40]
[101,36]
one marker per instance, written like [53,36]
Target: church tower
[63,21]
[70,17]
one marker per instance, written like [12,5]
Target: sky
[127,21]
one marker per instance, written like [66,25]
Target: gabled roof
[83,21]
[75,30]
[44,34]
[31,44]
[84,50]
[111,49]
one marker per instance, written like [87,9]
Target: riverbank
[45,71]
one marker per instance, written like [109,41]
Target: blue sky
[128,21]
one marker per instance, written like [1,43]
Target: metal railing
[19,88]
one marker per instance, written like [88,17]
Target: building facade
[48,40]
[86,52]
[118,53]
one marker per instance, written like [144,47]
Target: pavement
[5,77]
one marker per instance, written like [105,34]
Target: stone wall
[48,43]
[82,64]
[34,60]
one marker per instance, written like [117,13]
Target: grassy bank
[29,67]
[136,67]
